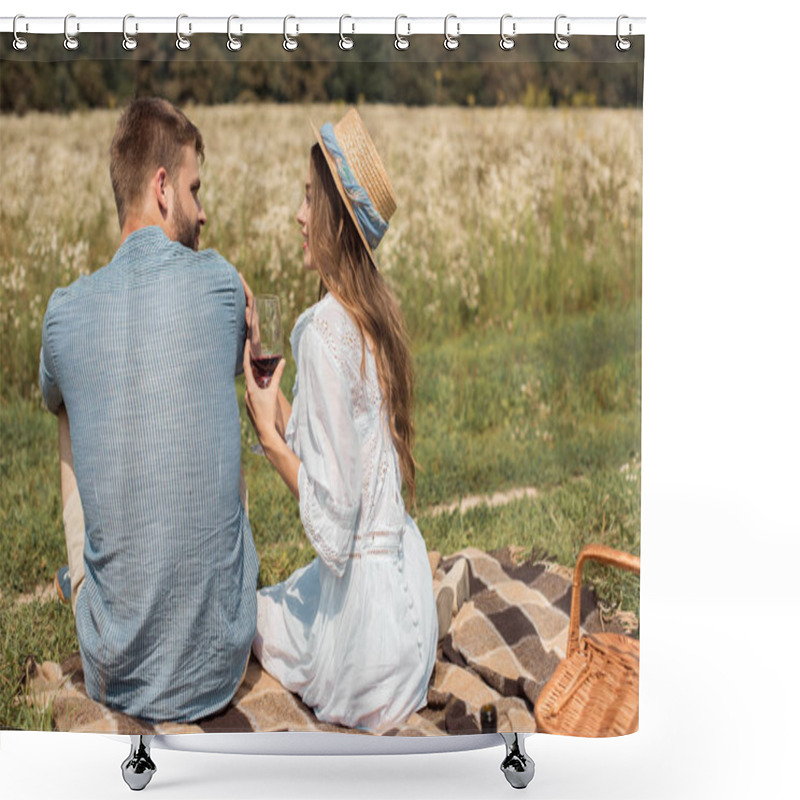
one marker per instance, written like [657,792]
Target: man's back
[144,353]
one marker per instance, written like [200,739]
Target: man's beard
[187,234]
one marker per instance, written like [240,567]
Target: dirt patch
[43,594]
[490,500]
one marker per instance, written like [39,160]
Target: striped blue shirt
[144,353]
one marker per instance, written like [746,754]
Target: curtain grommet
[507,40]
[561,43]
[233,44]
[451,42]
[182,42]
[622,44]
[345,42]
[71,43]
[19,42]
[401,42]
[128,42]
[289,42]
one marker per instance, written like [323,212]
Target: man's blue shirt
[144,353]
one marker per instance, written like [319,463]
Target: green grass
[42,630]
[30,502]
[602,509]
[551,403]
[537,404]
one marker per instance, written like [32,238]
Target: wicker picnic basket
[594,691]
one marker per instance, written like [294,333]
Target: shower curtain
[515,258]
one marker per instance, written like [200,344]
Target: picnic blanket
[502,646]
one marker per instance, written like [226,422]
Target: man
[139,361]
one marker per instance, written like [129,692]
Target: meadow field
[515,253]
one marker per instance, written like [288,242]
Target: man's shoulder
[84,286]
[213,259]
[149,247]
[66,295]
[113,276]
[216,265]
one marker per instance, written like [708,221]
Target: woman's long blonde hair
[346,270]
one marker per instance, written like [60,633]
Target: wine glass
[266,338]
[266,341]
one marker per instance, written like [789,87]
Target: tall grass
[502,214]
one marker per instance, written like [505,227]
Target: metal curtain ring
[128,42]
[345,42]
[288,42]
[401,42]
[182,43]
[623,44]
[507,42]
[234,44]
[451,42]
[70,42]
[19,43]
[561,43]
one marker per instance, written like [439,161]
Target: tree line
[100,74]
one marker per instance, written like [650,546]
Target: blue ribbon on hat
[372,224]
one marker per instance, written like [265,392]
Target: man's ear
[162,189]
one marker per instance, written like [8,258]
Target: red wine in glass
[266,341]
[263,367]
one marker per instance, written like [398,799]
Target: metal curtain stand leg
[517,766]
[138,768]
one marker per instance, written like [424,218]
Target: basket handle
[605,555]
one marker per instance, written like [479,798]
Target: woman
[354,632]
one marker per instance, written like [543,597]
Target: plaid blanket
[501,648]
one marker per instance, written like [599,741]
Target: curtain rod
[451,27]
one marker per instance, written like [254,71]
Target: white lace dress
[354,632]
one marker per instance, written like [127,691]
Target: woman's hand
[248,297]
[263,407]
[248,313]
[284,406]
[264,410]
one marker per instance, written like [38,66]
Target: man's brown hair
[151,133]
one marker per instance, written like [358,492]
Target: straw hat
[367,167]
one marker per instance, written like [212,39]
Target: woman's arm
[265,409]
[328,481]
[284,412]
[285,462]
